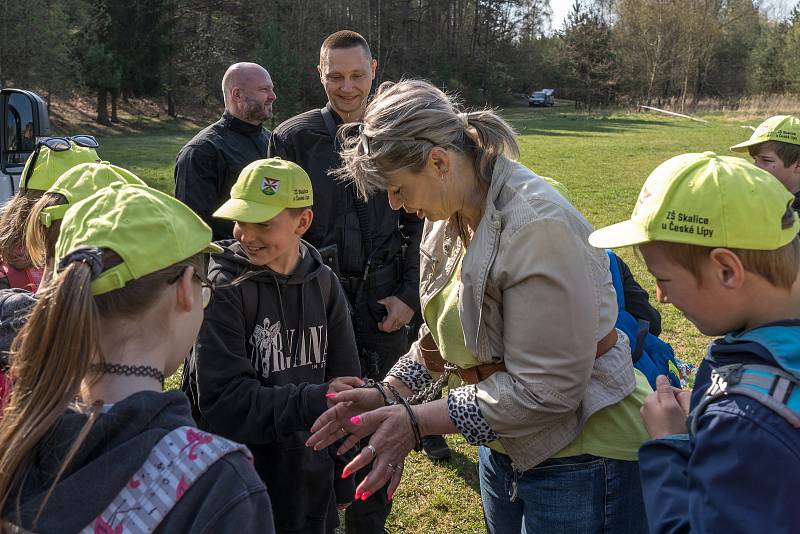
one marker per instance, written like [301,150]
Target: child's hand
[337,385]
[664,411]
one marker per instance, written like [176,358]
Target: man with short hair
[208,165]
[364,240]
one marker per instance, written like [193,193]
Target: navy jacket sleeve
[409,287]
[198,175]
[737,475]
[637,301]
[231,398]
[662,464]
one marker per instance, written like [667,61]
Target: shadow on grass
[584,126]
[463,466]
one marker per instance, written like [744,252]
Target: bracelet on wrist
[370,383]
[394,392]
[414,423]
[399,399]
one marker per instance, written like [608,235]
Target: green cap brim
[623,234]
[117,276]
[742,147]
[244,211]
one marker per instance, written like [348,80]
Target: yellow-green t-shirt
[614,432]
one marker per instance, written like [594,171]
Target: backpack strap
[616,278]
[642,326]
[360,206]
[174,464]
[330,125]
[771,386]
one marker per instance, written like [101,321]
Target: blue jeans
[582,494]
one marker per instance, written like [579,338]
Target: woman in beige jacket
[519,311]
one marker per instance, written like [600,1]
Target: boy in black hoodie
[278,329]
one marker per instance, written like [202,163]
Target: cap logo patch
[269,186]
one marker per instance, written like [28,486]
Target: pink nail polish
[356,420]
[345,474]
[390,495]
[358,496]
[330,395]
[365,496]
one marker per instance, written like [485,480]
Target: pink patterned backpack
[176,461]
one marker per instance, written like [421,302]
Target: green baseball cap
[148,229]
[708,200]
[782,128]
[50,164]
[264,188]
[82,181]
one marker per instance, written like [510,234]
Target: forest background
[133,65]
[667,53]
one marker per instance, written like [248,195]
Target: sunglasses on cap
[56,144]
[365,139]
[207,288]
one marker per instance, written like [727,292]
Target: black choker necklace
[128,370]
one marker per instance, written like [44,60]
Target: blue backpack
[650,355]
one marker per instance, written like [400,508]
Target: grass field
[602,158]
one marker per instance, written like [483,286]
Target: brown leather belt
[473,375]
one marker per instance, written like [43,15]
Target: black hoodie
[265,350]
[228,498]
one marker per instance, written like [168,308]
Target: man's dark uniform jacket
[208,166]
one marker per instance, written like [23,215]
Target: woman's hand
[337,385]
[331,426]
[392,439]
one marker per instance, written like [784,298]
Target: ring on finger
[343,431]
[392,467]
[372,450]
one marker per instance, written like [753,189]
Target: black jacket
[15,305]
[207,167]
[265,350]
[228,498]
[305,140]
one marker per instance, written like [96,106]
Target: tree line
[607,51]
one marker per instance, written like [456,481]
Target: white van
[24,122]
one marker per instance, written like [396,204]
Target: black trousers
[369,517]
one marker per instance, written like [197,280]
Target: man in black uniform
[364,240]
[209,164]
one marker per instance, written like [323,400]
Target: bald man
[207,166]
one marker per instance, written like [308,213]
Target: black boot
[435,447]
